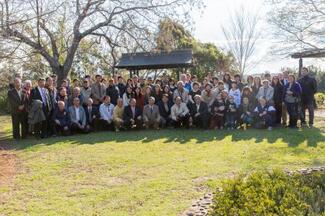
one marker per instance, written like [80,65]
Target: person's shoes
[303,124]
[117,130]
[311,126]
[270,128]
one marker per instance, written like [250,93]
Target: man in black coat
[165,106]
[132,115]
[92,114]
[18,109]
[42,94]
[112,91]
[199,112]
[309,88]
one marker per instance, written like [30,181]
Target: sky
[217,12]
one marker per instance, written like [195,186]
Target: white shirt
[180,110]
[236,95]
[77,113]
[106,112]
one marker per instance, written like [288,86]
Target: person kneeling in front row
[61,120]
[264,115]
[180,113]
[78,117]
[106,113]
[132,115]
[151,116]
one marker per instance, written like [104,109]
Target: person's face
[111,83]
[76,83]
[151,101]
[178,101]
[49,81]
[265,84]
[98,79]
[28,86]
[76,92]
[180,86]
[245,100]
[165,99]
[262,102]
[86,84]
[120,103]
[132,102]
[150,81]
[129,90]
[120,80]
[183,78]
[234,86]
[208,88]
[221,86]
[107,100]
[237,78]
[197,100]
[276,80]
[290,78]
[63,92]
[137,90]
[250,79]
[64,84]
[61,105]
[41,83]
[17,83]
[285,75]
[196,87]
[304,72]
[76,102]
[89,102]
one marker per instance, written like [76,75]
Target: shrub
[271,193]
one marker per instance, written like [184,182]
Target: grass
[145,172]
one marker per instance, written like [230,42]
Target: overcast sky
[208,29]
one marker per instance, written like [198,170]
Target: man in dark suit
[42,94]
[92,114]
[132,115]
[165,106]
[199,113]
[18,109]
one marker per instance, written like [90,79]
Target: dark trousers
[75,128]
[264,121]
[293,114]
[19,125]
[137,124]
[59,129]
[182,121]
[278,112]
[104,125]
[231,119]
[202,121]
[310,106]
[217,121]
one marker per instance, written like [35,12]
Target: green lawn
[145,172]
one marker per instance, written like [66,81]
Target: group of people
[226,102]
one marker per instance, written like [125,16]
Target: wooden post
[300,67]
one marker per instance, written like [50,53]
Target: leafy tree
[207,56]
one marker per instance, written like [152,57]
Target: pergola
[134,62]
[315,53]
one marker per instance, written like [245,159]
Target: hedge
[271,193]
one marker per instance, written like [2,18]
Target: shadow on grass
[291,137]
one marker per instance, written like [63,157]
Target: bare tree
[298,24]
[242,33]
[36,23]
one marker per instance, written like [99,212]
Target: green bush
[320,99]
[4,101]
[271,193]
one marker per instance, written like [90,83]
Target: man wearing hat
[266,91]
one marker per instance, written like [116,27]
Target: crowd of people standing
[226,102]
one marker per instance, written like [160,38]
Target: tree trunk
[60,73]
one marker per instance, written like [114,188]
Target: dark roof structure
[156,60]
[316,53]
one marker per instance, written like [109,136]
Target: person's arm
[83,116]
